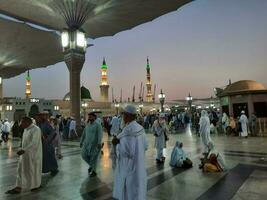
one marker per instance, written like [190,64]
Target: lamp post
[189,100]
[74,45]
[141,108]
[84,106]
[161,97]
[117,108]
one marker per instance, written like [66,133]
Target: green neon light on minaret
[147,63]
[104,65]
[28,77]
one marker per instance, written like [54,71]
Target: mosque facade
[245,95]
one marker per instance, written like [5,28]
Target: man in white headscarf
[204,129]
[160,131]
[244,124]
[130,173]
[30,158]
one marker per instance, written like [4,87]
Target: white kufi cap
[130,109]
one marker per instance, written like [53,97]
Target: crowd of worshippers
[40,149]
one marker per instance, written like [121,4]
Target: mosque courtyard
[246,177]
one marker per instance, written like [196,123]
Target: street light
[189,100]
[117,108]
[9,108]
[73,40]
[161,97]
[84,106]
[74,46]
[56,108]
[141,108]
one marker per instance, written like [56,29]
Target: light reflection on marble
[73,181]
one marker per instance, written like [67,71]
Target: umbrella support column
[74,62]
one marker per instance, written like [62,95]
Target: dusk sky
[194,49]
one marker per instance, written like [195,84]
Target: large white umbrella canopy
[24,47]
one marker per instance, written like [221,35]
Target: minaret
[1,88]
[104,83]
[149,96]
[28,85]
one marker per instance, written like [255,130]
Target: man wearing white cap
[130,173]
[161,131]
[244,124]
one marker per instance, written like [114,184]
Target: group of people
[37,154]
[40,143]
[242,126]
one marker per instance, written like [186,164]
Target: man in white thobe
[225,122]
[114,131]
[160,131]
[204,129]
[130,173]
[30,160]
[6,127]
[244,124]
[72,128]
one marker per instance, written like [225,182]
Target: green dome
[85,94]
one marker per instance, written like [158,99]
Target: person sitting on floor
[212,161]
[178,157]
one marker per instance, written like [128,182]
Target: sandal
[14,191]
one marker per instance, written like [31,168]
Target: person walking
[91,143]
[160,131]
[30,158]
[130,173]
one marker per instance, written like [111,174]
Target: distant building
[149,95]
[104,83]
[246,95]
[16,108]
[85,95]
[28,85]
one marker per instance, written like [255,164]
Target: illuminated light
[9,108]
[80,39]
[65,39]
[34,100]
[117,105]
[0,80]
[56,108]
[161,96]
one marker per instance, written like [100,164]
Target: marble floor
[246,177]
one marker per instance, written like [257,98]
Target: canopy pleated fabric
[23,47]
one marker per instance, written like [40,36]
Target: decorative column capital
[74,61]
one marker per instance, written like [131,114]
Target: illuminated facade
[149,95]
[28,85]
[104,83]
